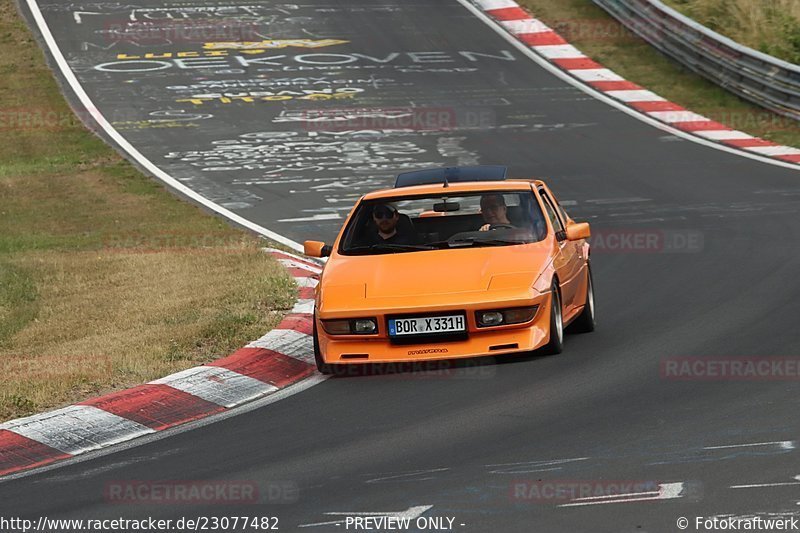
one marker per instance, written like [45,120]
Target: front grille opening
[354,356]
[503,347]
[429,339]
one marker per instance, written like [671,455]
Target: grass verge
[605,40]
[106,279]
[769,26]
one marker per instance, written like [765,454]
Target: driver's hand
[485,227]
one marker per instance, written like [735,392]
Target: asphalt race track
[695,255]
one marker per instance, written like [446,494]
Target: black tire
[322,366]
[585,322]
[556,343]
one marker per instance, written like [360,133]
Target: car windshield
[420,223]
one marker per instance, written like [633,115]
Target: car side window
[551,213]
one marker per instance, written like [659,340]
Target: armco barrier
[765,80]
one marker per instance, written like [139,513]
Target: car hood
[438,272]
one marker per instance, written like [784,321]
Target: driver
[494,211]
[386,231]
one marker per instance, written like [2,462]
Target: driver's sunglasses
[384,212]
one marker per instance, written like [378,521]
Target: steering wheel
[500,226]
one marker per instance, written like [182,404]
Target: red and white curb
[549,45]
[280,358]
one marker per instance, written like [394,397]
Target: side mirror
[316,249]
[578,231]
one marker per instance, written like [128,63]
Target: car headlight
[366,325]
[490,318]
[351,326]
[505,317]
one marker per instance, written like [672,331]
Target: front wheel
[585,322]
[322,366]
[556,343]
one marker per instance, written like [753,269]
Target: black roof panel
[453,174]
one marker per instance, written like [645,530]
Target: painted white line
[540,54]
[128,148]
[528,467]
[77,429]
[678,116]
[762,485]
[521,27]
[596,74]
[287,342]
[557,51]
[763,516]
[217,385]
[323,216]
[391,517]
[543,462]
[408,476]
[644,494]
[666,491]
[611,201]
[636,96]
[524,470]
[784,444]
[724,135]
[774,150]
[489,5]
[418,510]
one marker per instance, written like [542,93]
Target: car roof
[461,188]
[444,175]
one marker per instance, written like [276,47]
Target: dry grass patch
[112,319]
[111,206]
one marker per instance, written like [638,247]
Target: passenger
[495,212]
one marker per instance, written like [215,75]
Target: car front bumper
[478,342]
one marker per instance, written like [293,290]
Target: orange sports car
[451,263]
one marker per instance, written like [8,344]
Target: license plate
[399,327]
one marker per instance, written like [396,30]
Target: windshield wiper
[484,242]
[438,244]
